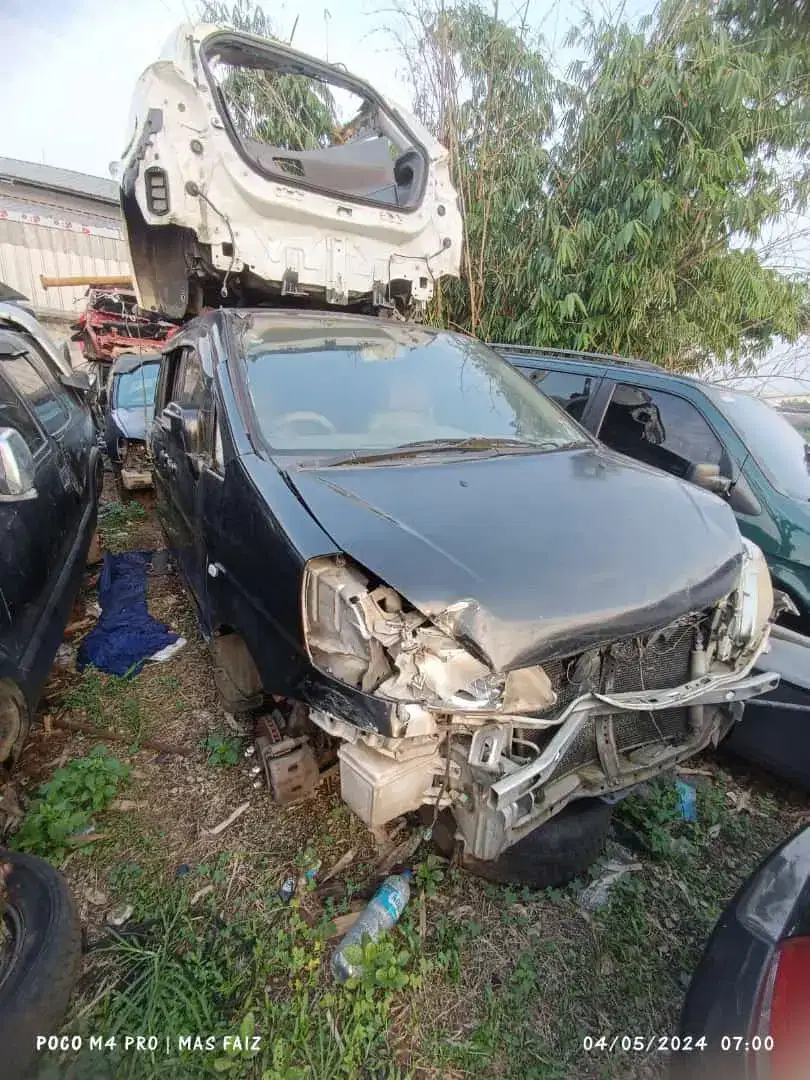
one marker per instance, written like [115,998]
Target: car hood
[526,557]
[131,422]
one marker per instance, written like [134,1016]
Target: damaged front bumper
[586,758]
[600,745]
[507,750]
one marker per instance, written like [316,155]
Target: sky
[70,66]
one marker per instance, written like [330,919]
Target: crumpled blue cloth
[125,634]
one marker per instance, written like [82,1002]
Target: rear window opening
[311,126]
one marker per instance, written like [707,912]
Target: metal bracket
[606,746]
[487,746]
[289,284]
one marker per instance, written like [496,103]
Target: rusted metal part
[606,747]
[290,766]
[113,323]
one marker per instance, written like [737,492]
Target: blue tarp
[125,634]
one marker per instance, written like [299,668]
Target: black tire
[555,853]
[37,978]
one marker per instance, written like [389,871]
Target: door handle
[163,459]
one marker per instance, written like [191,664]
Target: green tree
[620,209]
[295,112]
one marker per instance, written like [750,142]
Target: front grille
[632,730]
[657,661]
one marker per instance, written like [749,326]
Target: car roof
[310,318]
[604,360]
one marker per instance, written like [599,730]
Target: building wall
[57,234]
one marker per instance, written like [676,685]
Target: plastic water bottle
[379,915]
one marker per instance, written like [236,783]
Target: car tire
[555,853]
[37,978]
[236,676]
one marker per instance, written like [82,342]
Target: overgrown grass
[179,971]
[107,701]
[116,519]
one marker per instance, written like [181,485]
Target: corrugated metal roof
[47,176]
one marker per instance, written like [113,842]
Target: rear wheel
[39,956]
[555,853]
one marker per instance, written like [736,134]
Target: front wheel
[39,956]
[556,852]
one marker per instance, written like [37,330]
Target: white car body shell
[330,244]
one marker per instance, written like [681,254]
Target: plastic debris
[119,915]
[167,652]
[380,914]
[597,894]
[95,897]
[287,890]
[687,800]
[182,870]
[66,655]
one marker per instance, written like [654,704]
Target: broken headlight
[367,636]
[755,595]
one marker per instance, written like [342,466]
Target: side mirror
[742,499]
[17,468]
[709,477]
[77,380]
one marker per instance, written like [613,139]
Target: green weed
[222,749]
[116,516]
[66,804]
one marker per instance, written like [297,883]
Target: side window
[170,383]
[570,390]
[661,429]
[44,366]
[190,388]
[24,376]
[13,414]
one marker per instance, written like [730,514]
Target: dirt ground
[477,979]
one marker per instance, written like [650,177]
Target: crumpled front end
[257,174]
[506,750]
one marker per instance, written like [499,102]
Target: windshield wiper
[472,443]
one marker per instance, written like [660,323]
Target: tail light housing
[780,1033]
[157,190]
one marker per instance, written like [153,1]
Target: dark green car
[724,440]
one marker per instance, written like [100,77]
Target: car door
[36,531]
[179,445]
[661,428]
[574,389]
[69,422]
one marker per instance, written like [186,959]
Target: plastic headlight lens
[756,593]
